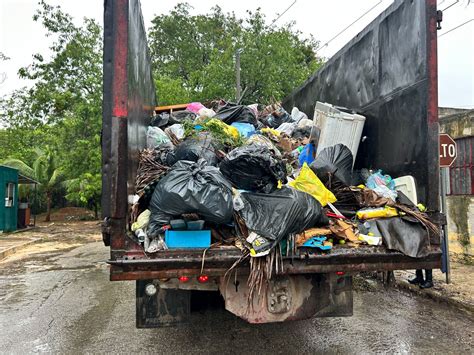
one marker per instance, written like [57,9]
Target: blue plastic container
[188,239]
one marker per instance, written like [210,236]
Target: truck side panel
[388,73]
[129,100]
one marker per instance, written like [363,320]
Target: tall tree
[62,108]
[193,56]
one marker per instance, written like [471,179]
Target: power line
[349,26]
[455,28]
[289,7]
[454,3]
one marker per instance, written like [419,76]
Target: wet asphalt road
[64,303]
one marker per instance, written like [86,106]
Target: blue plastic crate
[188,239]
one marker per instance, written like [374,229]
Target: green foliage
[85,190]
[172,90]
[220,132]
[194,56]
[63,107]
[193,59]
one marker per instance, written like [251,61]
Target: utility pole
[238,88]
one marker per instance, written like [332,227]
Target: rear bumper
[174,263]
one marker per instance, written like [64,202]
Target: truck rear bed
[388,72]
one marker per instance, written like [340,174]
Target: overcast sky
[21,37]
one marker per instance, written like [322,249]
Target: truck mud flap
[290,297]
[163,309]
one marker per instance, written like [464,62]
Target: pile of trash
[254,177]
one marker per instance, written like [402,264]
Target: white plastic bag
[206,112]
[287,128]
[297,115]
[305,122]
[155,137]
[177,129]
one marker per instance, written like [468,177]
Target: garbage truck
[387,73]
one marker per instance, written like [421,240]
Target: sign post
[447,156]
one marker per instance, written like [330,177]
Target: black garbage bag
[160,120]
[253,167]
[404,234]
[181,116]
[301,132]
[195,148]
[276,118]
[360,176]
[191,187]
[230,113]
[335,161]
[162,154]
[280,213]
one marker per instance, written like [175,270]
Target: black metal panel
[108,55]
[128,103]
[141,89]
[385,73]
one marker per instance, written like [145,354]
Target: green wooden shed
[8,199]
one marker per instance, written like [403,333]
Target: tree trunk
[96,210]
[48,207]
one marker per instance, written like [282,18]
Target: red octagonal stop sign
[447,150]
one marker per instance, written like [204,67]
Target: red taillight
[340,273]
[203,278]
[183,279]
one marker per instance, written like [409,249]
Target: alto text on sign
[447,150]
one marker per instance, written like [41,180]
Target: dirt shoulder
[55,237]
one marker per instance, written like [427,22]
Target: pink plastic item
[195,107]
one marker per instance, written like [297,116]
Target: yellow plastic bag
[229,130]
[142,220]
[270,131]
[308,182]
[380,212]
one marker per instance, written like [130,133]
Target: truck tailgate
[216,262]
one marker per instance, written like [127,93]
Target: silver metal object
[150,290]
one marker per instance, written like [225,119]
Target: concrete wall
[458,123]
[461,225]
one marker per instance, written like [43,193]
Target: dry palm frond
[420,216]
[262,270]
[173,138]
[134,212]
[149,169]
